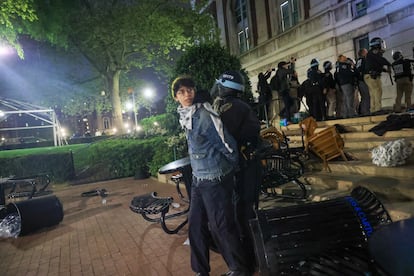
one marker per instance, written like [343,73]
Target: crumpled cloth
[394,122]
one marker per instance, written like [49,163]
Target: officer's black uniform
[280,82]
[374,66]
[329,92]
[313,87]
[244,126]
[265,94]
[364,105]
[346,77]
[403,78]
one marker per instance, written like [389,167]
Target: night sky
[46,71]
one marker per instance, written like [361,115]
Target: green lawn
[44,150]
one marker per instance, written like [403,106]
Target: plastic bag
[10,226]
[392,154]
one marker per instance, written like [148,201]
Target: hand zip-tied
[392,154]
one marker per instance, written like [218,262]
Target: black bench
[282,166]
[25,186]
[155,209]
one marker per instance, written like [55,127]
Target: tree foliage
[205,63]
[119,36]
[12,14]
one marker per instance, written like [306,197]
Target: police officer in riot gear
[244,126]
[403,78]
[364,104]
[345,77]
[313,87]
[281,83]
[374,66]
[329,91]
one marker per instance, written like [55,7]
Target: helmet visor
[230,84]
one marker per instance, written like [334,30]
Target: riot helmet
[377,43]
[327,65]
[314,63]
[281,64]
[230,83]
[350,60]
[397,55]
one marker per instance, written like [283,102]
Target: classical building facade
[265,32]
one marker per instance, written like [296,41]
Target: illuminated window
[244,40]
[361,42]
[289,11]
[359,8]
[242,25]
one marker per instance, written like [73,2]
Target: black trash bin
[37,213]
[286,237]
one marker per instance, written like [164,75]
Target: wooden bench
[272,135]
[281,166]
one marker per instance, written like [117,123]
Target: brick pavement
[97,239]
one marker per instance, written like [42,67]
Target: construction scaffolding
[44,118]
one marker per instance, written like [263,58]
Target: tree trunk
[113,80]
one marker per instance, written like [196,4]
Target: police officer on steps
[403,78]
[374,66]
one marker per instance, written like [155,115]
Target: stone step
[369,144]
[366,155]
[361,137]
[367,168]
[397,208]
[406,132]
[391,189]
[357,123]
[394,186]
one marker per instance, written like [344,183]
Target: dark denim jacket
[210,159]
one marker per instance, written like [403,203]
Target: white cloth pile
[392,154]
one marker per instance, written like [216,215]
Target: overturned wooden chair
[327,144]
[308,126]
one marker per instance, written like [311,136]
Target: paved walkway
[109,239]
[97,239]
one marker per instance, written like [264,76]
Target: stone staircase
[394,186]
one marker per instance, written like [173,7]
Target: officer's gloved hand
[217,104]
[248,152]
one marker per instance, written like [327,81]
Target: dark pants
[364,105]
[248,189]
[316,102]
[212,211]
[287,105]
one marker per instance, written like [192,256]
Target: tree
[205,63]
[119,36]
[11,13]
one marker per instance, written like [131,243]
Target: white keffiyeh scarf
[186,114]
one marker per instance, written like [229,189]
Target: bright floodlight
[129,105]
[2,113]
[148,92]
[5,50]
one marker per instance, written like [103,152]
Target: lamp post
[134,107]
[148,93]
